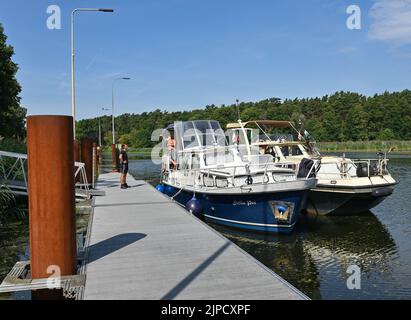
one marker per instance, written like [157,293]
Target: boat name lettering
[244,203]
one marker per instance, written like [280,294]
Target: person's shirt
[124,156]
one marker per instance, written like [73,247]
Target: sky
[186,54]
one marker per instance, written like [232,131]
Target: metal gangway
[13,174]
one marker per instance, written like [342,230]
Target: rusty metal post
[114,158]
[51,196]
[87,157]
[76,151]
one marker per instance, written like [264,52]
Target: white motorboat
[345,186]
[215,181]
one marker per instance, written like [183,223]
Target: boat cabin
[271,137]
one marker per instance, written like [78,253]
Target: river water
[316,256]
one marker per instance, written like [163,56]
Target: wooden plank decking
[144,246]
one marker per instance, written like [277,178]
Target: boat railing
[347,168]
[227,175]
[374,166]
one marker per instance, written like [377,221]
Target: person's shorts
[124,168]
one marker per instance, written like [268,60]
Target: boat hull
[257,211]
[324,200]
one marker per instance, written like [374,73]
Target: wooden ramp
[144,246]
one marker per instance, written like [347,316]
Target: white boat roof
[270,123]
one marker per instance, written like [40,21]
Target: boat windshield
[200,134]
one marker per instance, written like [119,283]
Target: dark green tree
[12,115]
[342,116]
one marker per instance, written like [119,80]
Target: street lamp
[73,96]
[112,104]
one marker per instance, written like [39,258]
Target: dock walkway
[142,245]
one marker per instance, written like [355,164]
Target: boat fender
[362,170]
[160,188]
[194,207]
[169,190]
[382,192]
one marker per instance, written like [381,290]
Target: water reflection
[322,248]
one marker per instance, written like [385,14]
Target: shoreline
[400,147]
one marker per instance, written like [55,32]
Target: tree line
[342,116]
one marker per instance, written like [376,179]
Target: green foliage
[126,139]
[8,204]
[343,116]
[377,145]
[386,134]
[12,115]
[13,145]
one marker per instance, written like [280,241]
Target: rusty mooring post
[114,158]
[87,157]
[51,196]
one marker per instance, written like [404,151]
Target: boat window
[204,132]
[190,141]
[189,135]
[285,151]
[201,133]
[215,125]
[210,133]
[295,151]
[195,162]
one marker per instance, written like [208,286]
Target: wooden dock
[142,245]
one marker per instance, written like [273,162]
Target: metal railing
[375,167]
[190,176]
[13,173]
[13,167]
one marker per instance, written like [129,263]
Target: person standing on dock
[124,166]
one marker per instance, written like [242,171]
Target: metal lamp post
[73,96]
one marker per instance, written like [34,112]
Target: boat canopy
[269,123]
[198,134]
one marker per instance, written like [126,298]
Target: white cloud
[391,21]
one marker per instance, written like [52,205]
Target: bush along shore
[350,146]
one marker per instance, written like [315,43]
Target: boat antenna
[238,109]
